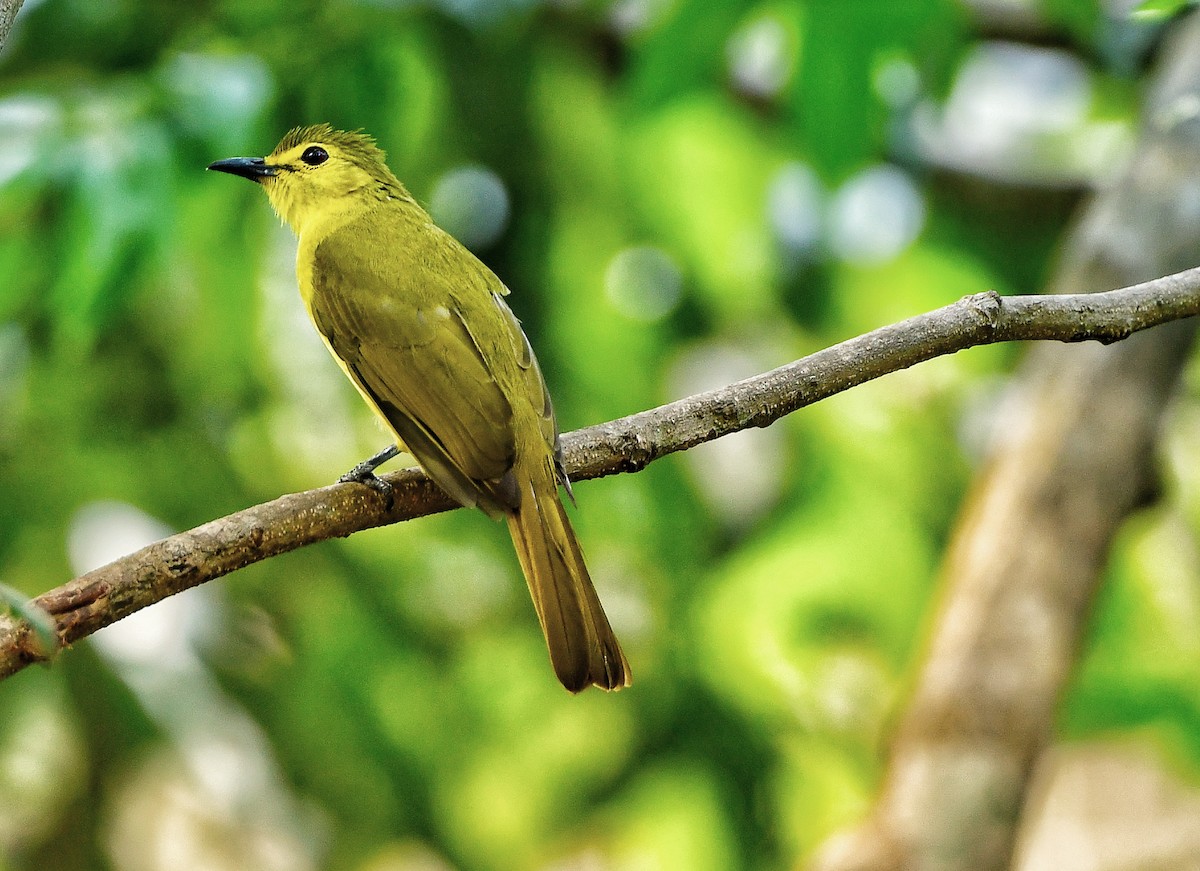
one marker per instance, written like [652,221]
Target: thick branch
[1076,456]
[107,594]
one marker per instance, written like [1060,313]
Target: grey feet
[364,473]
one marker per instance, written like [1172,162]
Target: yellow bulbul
[421,328]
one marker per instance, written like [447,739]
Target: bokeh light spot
[876,215]
[760,57]
[643,283]
[794,205]
[471,204]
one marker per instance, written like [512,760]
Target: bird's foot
[364,473]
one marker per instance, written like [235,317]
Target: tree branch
[1074,459]
[107,594]
[8,14]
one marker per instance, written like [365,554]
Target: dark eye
[314,155]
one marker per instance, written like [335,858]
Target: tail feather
[583,649]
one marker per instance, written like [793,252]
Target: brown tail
[583,649]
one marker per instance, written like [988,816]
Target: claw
[364,473]
[358,475]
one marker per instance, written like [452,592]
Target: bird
[421,327]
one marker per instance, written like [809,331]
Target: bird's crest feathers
[353,144]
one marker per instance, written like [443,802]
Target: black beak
[253,168]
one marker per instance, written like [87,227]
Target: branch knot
[986,304]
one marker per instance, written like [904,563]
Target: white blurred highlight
[1021,113]
[471,204]
[643,283]
[759,57]
[739,476]
[28,123]
[876,215]
[795,203]
[217,785]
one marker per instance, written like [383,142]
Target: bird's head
[318,172]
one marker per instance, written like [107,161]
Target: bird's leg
[364,473]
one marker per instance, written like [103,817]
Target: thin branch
[107,594]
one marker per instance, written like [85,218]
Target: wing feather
[407,342]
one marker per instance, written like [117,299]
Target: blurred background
[680,193]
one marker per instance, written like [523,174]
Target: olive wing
[399,330]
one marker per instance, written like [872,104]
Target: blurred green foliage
[680,194]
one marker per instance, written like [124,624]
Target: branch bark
[8,14]
[107,594]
